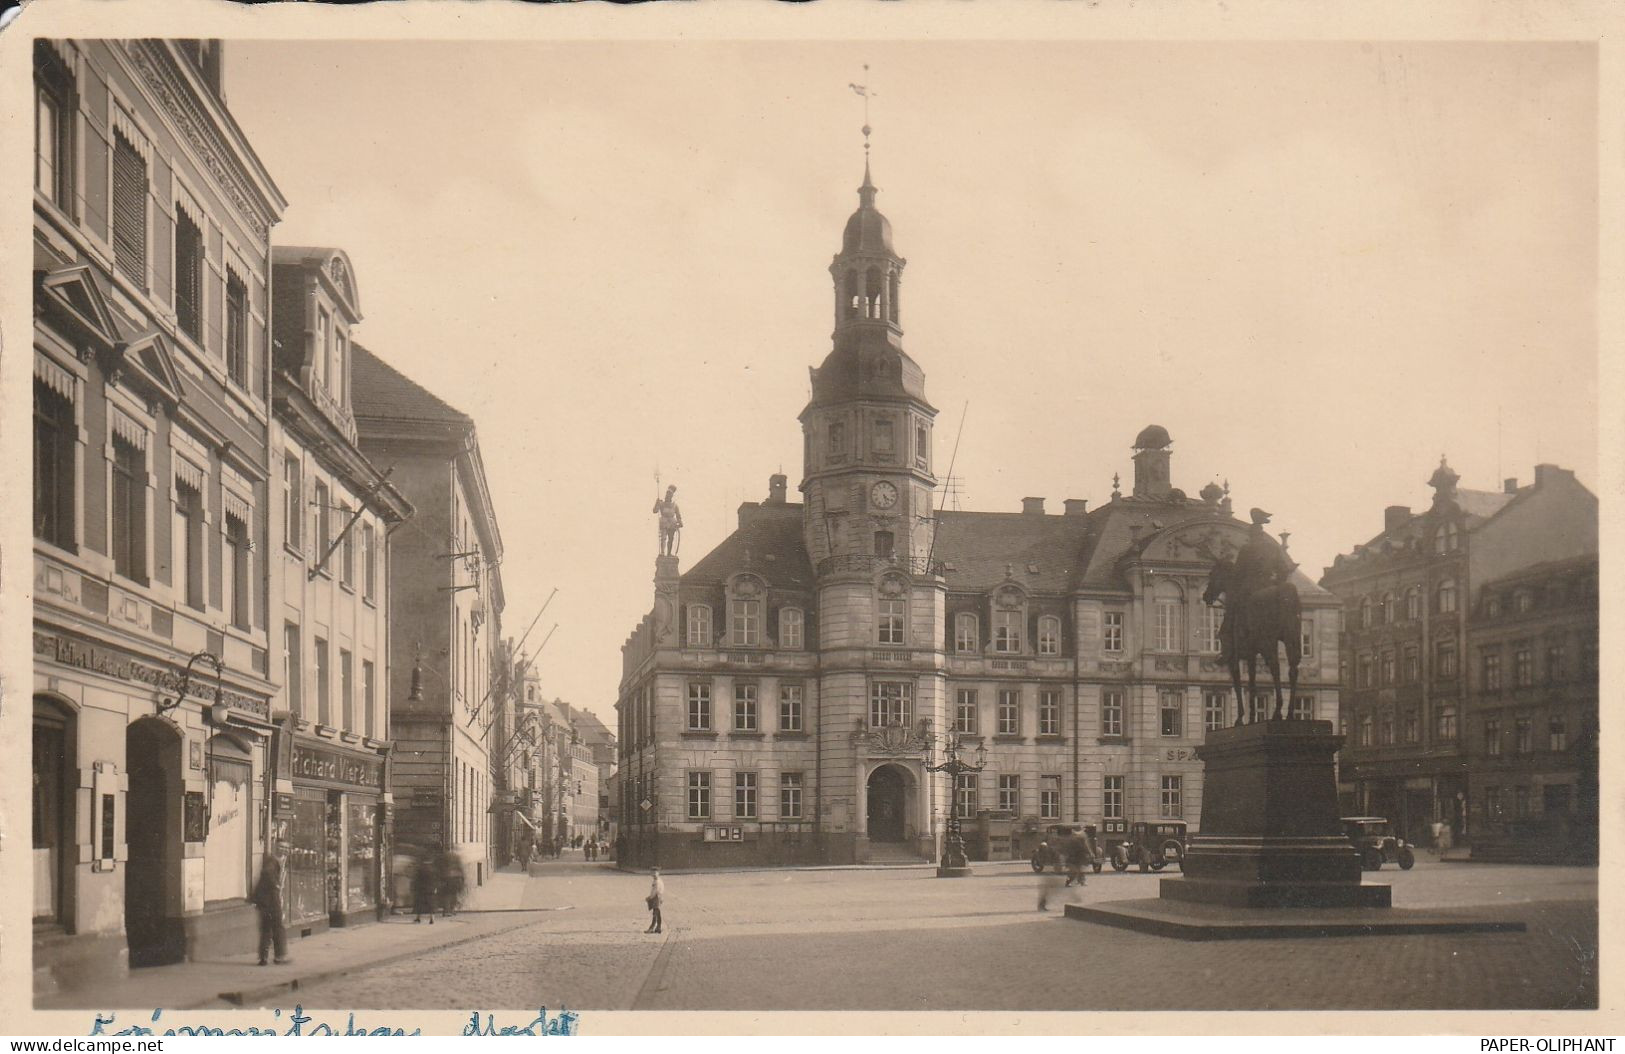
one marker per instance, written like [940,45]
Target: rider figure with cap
[1261,566]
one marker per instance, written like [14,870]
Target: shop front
[333,819]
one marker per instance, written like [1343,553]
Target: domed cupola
[867,231]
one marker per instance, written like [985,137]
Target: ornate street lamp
[954,862]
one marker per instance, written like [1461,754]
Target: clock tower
[867,475]
[869,528]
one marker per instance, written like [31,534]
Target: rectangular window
[966,795]
[1446,655]
[292,668]
[1557,731]
[1173,805]
[1368,727]
[965,633]
[1444,724]
[745,708]
[324,712]
[346,547]
[53,128]
[922,445]
[890,621]
[699,707]
[699,795]
[129,210]
[1007,632]
[747,622]
[189,268]
[1303,708]
[1492,736]
[1387,667]
[1367,674]
[369,700]
[699,626]
[1306,643]
[1171,708]
[965,711]
[1259,707]
[1010,793]
[1523,730]
[1413,664]
[1556,663]
[238,596]
[790,796]
[1049,798]
[1111,636]
[236,330]
[1049,712]
[790,628]
[369,562]
[1385,727]
[790,708]
[1168,636]
[322,522]
[890,703]
[1212,618]
[293,494]
[186,536]
[744,795]
[324,349]
[1213,704]
[1490,666]
[1413,725]
[1523,666]
[1111,712]
[129,512]
[1111,798]
[1049,636]
[55,435]
[347,689]
[1009,712]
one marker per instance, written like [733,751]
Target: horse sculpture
[1256,622]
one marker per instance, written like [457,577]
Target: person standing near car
[1077,852]
[1049,874]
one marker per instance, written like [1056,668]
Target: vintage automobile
[1052,853]
[1376,844]
[1153,845]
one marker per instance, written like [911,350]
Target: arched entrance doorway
[152,836]
[888,794]
[55,852]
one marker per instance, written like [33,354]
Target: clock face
[884,495]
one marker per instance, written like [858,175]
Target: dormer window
[699,626]
[965,632]
[745,616]
[1524,601]
[1493,608]
[1007,631]
[1049,635]
[790,628]
[1447,539]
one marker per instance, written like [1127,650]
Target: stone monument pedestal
[1271,836]
[1272,859]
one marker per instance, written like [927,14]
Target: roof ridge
[366,357]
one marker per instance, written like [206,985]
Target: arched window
[1365,612]
[891,299]
[872,286]
[54,850]
[1447,539]
[1049,635]
[966,636]
[1389,612]
[1009,616]
[1413,603]
[1447,596]
[854,294]
[790,628]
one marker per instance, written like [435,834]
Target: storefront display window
[226,851]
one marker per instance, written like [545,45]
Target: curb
[980,865]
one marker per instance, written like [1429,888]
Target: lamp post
[954,863]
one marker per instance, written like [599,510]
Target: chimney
[1076,506]
[1509,485]
[1032,506]
[747,512]
[1395,516]
[776,486]
[1548,474]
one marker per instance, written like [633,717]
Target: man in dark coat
[268,905]
[425,887]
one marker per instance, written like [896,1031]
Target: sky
[1320,266]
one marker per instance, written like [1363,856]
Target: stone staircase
[894,854]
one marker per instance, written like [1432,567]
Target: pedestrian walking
[1077,848]
[425,887]
[451,882]
[656,897]
[268,905]
[1049,878]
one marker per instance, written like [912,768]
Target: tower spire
[866,193]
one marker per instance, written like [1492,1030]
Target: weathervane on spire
[863,90]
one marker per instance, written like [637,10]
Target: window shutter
[130,211]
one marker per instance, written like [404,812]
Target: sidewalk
[239,979]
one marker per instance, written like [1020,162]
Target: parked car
[1153,845]
[1052,852]
[1376,844]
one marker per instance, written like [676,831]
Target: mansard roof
[768,543]
[982,550]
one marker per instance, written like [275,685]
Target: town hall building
[785,698]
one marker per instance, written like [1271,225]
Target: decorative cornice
[199,131]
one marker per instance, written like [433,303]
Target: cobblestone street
[903,940]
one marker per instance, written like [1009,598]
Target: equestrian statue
[1260,613]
